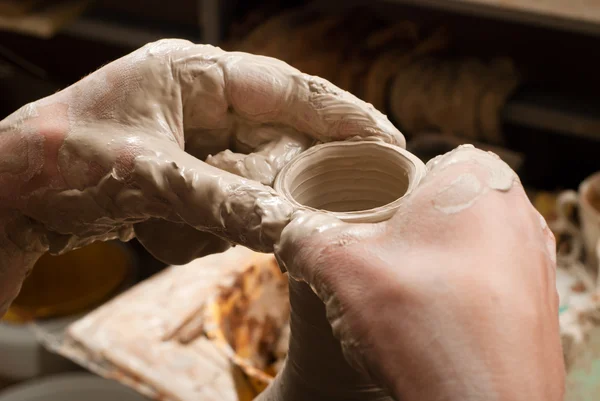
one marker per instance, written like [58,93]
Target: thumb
[317,366]
[312,241]
[303,242]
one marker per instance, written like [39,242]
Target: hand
[120,154]
[453,298]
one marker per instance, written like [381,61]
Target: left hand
[453,298]
[121,154]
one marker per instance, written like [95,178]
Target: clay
[122,152]
[305,183]
[272,148]
[461,97]
[316,368]
[358,182]
[459,195]
[501,177]
[464,191]
[586,233]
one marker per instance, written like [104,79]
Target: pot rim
[415,170]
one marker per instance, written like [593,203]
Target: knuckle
[163,45]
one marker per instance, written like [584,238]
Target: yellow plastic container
[71,283]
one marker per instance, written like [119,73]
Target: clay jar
[358,182]
[587,232]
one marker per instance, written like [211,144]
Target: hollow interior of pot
[350,178]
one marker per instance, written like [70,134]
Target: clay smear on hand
[459,195]
[464,190]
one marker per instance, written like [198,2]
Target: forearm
[479,344]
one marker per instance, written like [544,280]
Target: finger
[265,90]
[175,185]
[310,236]
[216,86]
[177,243]
[271,148]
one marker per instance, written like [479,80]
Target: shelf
[574,16]
[118,33]
[565,114]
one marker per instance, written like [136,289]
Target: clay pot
[358,182]
[361,182]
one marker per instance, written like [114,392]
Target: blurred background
[521,74]
[518,77]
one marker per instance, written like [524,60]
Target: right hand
[121,154]
[453,298]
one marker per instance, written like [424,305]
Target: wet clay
[459,195]
[337,179]
[360,182]
[172,134]
[464,190]
[107,152]
[315,368]
[357,182]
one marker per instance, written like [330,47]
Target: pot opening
[350,178]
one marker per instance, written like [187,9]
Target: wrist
[456,375]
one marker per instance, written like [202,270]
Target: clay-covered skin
[120,154]
[453,298]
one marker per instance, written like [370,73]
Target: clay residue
[593,195]
[126,144]
[464,191]
[500,176]
[303,225]
[270,148]
[459,195]
[358,182]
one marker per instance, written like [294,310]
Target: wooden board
[152,337]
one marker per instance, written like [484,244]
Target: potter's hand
[452,299]
[120,153]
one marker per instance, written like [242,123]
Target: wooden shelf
[123,30]
[561,113]
[576,15]
[119,33]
